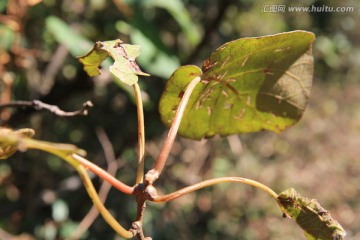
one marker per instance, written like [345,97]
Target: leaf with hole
[124,68]
[247,85]
[311,216]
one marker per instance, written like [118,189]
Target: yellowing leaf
[311,217]
[93,59]
[247,85]
[125,69]
[9,140]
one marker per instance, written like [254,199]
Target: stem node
[151,176]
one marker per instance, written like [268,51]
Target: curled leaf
[124,68]
[9,140]
[93,59]
[12,141]
[311,216]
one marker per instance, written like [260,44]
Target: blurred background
[41,197]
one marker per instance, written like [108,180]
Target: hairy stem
[141,134]
[154,173]
[214,181]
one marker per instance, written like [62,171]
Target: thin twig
[154,173]
[105,186]
[38,105]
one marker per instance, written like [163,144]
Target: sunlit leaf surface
[311,217]
[125,69]
[247,85]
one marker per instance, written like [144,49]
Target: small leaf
[93,59]
[125,69]
[9,145]
[247,85]
[311,217]
[77,44]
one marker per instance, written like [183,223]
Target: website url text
[273,8]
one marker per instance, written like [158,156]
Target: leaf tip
[9,140]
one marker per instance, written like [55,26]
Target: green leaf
[247,85]
[124,68]
[311,217]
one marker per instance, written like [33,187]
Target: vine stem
[154,173]
[210,182]
[104,175]
[104,189]
[141,134]
[72,159]
[100,206]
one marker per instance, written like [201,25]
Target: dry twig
[38,105]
